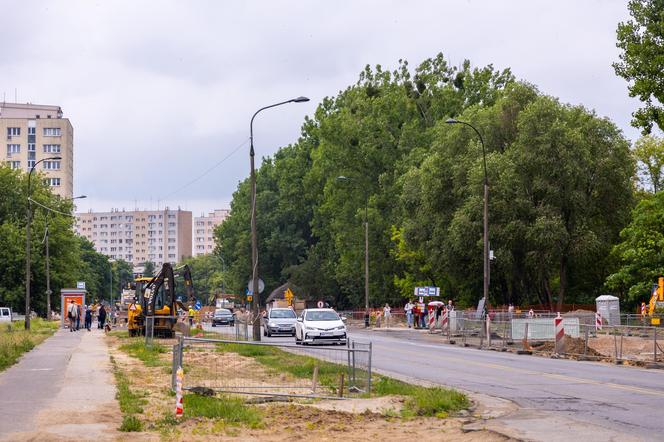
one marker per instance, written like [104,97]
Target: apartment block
[140,235]
[34,132]
[204,230]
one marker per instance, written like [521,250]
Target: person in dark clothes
[102,317]
[78,316]
[88,318]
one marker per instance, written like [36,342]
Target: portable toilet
[609,307]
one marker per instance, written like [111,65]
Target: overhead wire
[210,169]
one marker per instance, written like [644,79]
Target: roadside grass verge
[420,401]
[150,356]
[131,403]
[232,411]
[15,340]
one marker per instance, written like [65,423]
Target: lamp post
[255,302]
[110,276]
[48,263]
[27,242]
[366,254]
[486,211]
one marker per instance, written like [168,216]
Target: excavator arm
[185,272]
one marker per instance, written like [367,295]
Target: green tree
[207,276]
[148,269]
[641,40]
[649,154]
[640,252]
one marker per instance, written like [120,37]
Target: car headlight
[271,324]
[312,328]
[341,327]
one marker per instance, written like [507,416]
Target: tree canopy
[560,192]
[641,40]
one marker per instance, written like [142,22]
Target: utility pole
[255,300]
[48,273]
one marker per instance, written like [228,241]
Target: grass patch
[131,423]
[149,355]
[281,361]
[421,401]
[130,402]
[434,401]
[227,409]
[15,340]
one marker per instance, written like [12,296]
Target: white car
[320,325]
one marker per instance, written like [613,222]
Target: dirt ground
[349,420]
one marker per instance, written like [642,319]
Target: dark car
[223,316]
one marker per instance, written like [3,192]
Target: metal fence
[272,369]
[632,344]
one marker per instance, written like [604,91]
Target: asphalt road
[558,399]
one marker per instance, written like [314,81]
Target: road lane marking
[536,373]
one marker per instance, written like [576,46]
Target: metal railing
[242,367]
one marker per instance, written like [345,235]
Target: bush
[131,423]
[230,410]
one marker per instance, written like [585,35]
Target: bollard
[585,344]
[179,407]
[488,331]
[341,385]
[560,335]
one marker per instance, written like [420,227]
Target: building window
[31,147]
[13,148]
[31,164]
[13,131]
[31,130]
[14,164]
[53,182]
[171,255]
[52,165]
[51,148]
[51,131]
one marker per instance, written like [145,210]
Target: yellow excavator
[155,298]
[657,298]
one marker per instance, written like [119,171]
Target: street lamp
[48,264]
[486,211]
[27,242]
[110,276]
[255,302]
[366,254]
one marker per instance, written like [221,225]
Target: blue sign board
[197,306]
[427,291]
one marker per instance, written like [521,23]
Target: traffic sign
[250,298]
[80,285]
[320,304]
[261,285]
[427,291]
[288,296]
[198,305]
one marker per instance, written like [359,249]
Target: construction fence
[242,367]
[633,344]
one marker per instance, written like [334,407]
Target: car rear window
[282,313]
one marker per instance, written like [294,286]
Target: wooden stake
[315,379]
[341,385]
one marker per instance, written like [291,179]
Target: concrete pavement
[62,389]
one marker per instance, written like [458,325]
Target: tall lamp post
[366,254]
[110,275]
[27,241]
[255,301]
[48,262]
[486,211]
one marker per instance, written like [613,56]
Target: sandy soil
[348,420]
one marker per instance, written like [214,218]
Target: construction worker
[192,312]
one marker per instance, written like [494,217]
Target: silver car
[279,321]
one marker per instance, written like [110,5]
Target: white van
[5,314]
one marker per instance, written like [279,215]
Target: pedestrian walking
[379,317]
[78,316]
[408,308]
[72,312]
[387,313]
[450,306]
[88,318]
[102,317]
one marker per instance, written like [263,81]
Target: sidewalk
[61,390]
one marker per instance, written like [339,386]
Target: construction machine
[657,297]
[155,298]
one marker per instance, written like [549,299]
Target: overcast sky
[160,91]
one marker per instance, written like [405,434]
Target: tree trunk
[547,290]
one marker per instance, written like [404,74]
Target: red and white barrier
[432,320]
[559,334]
[598,321]
[179,380]
[444,323]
